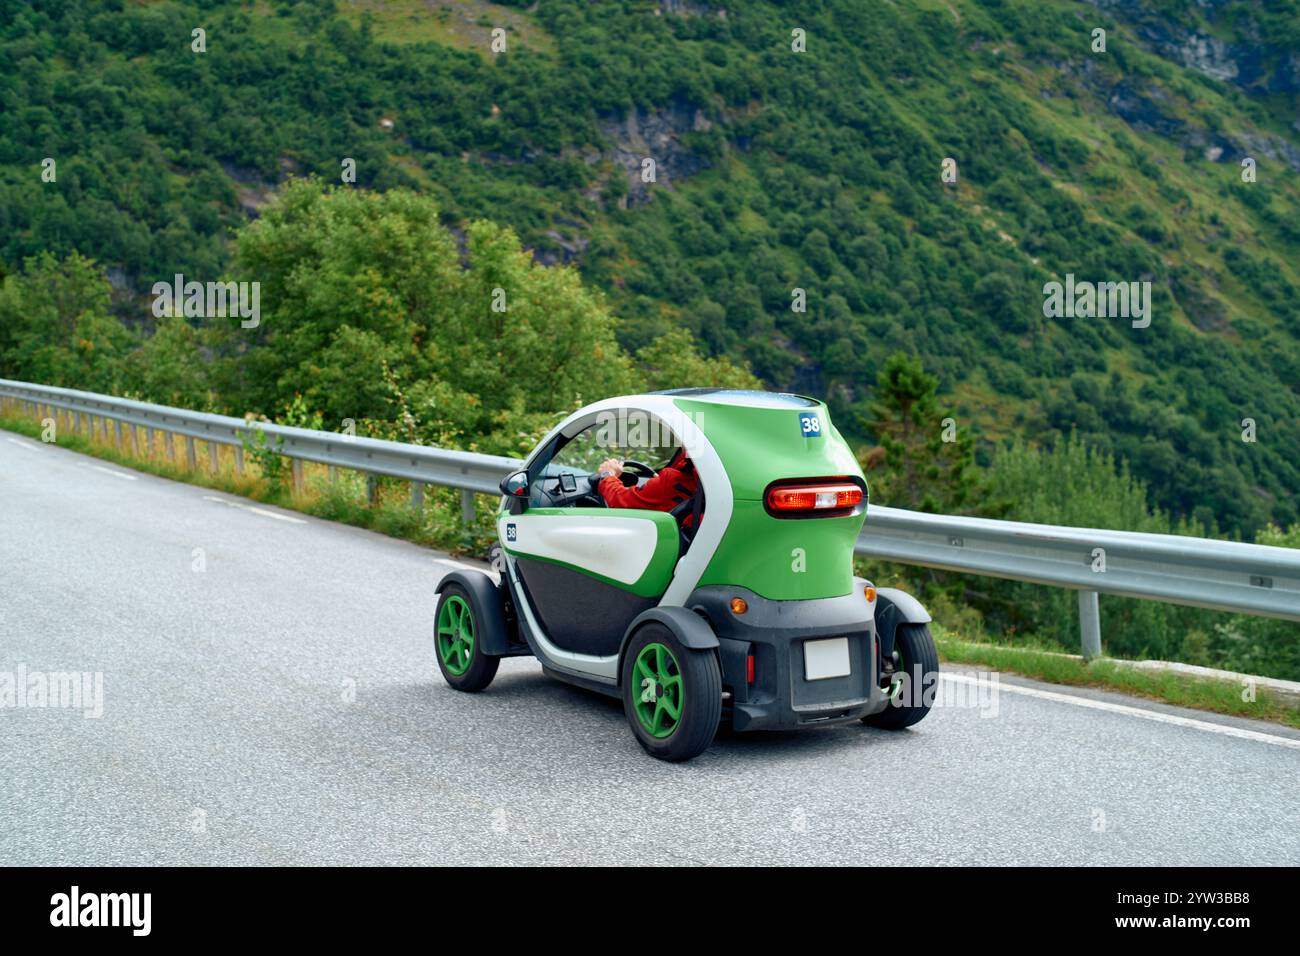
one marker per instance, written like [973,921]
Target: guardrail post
[1090,624]
[372,490]
[213,461]
[239,460]
[170,441]
[467,506]
[117,432]
[148,441]
[295,469]
[191,456]
[417,495]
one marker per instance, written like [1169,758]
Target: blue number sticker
[810,426]
[511,534]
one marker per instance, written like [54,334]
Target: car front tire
[458,642]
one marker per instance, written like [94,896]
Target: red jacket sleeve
[663,492]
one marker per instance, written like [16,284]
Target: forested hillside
[795,147]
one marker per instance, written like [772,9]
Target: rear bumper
[780,696]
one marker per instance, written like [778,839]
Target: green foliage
[370,315]
[673,361]
[55,326]
[168,367]
[818,171]
[923,462]
[373,312]
[1072,484]
[1257,645]
[264,451]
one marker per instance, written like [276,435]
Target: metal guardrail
[471,473]
[1222,575]
[1201,572]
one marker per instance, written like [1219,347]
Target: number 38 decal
[810,426]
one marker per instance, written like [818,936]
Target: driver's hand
[610,466]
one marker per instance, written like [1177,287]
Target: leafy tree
[57,327]
[924,461]
[168,367]
[671,361]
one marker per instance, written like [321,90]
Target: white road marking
[253,508]
[21,444]
[1158,716]
[115,474]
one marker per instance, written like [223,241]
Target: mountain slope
[775,171]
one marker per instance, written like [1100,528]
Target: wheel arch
[688,627]
[485,596]
[895,607]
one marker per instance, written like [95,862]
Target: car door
[586,570]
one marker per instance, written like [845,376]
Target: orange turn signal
[738,606]
[870,592]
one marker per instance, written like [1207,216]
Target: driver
[675,483]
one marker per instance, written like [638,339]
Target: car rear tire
[458,642]
[672,695]
[919,660]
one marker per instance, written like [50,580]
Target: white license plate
[828,658]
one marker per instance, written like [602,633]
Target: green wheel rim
[455,635]
[657,690]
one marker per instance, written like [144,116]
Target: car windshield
[630,435]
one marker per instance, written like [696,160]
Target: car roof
[742,396]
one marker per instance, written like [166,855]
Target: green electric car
[739,605]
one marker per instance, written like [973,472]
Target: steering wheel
[636,469]
[639,468]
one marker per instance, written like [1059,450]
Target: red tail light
[814,498]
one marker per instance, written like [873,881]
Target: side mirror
[516,485]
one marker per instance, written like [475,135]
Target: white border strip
[1159,717]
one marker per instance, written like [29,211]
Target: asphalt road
[272,698]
